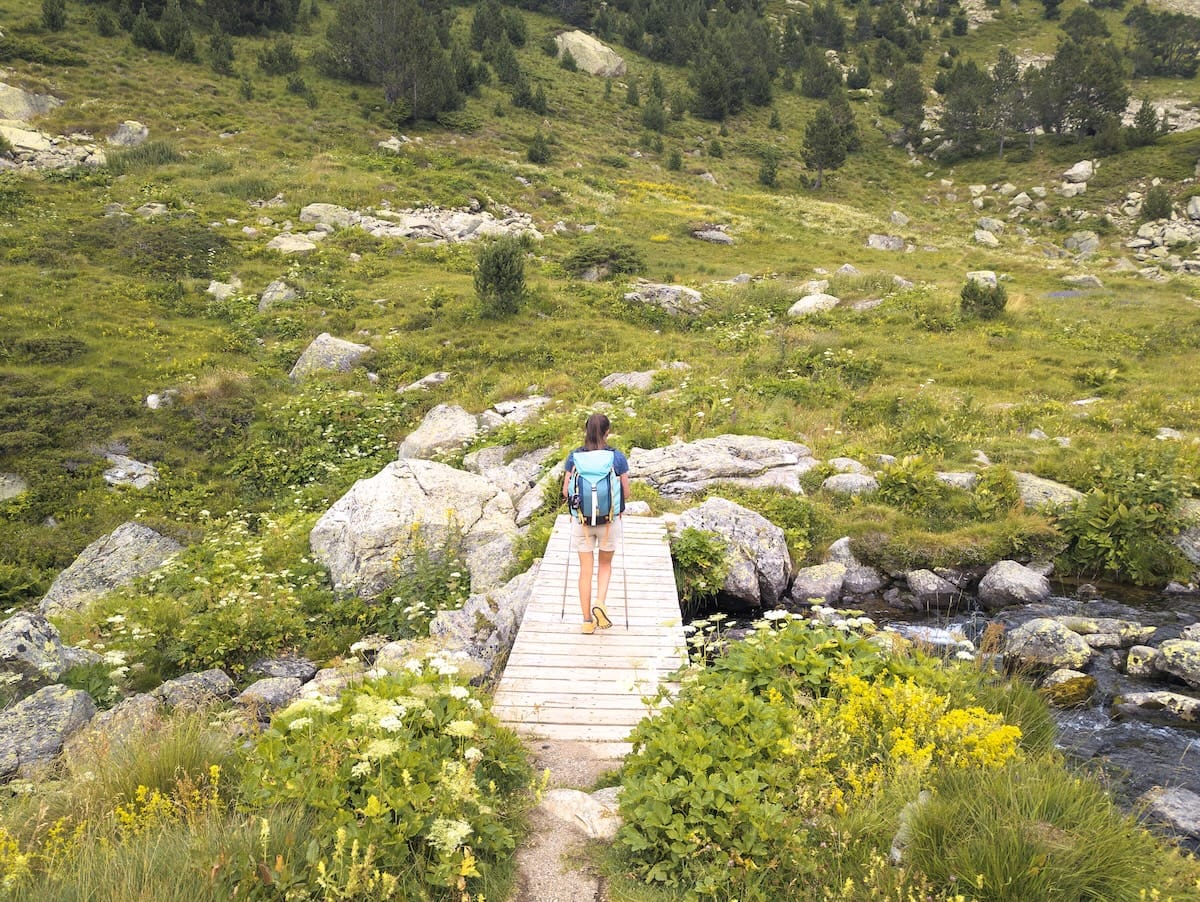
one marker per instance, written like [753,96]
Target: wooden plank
[576,732]
[557,700]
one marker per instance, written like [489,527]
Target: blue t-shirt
[620,464]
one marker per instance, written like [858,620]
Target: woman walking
[596,485]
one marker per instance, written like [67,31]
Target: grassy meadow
[98,311]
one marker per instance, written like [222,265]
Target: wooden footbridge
[562,685]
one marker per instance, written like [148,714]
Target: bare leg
[586,561]
[603,574]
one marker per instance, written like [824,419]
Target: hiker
[596,485]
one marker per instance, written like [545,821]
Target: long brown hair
[597,430]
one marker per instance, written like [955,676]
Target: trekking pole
[625,572]
[567,567]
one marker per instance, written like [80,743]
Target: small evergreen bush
[568,61]
[144,33]
[54,15]
[220,53]
[1157,203]
[981,300]
[106,23]
[768,170]
[539,149]
[618,257]
[500,275]
[279,58]
[674,160]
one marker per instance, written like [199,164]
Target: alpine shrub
[500,275]
[983,300]
[1157,203]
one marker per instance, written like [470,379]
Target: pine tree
[500,275]
[905,101]
[1145,128]
[186,51]
[539,149]
[171,26]
[632,97]
[54,15]
[143,33]
[220,53]
[1008,98]
[768,170]
[824,143]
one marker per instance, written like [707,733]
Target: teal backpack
[595,492]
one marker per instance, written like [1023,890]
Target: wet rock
[1068,688]
[1170,707]
[931,591]
[129,551]
[1181,658]
[1043,642]
[821,584]
[755,548]
[1008,582]
[1107,632]
[1142,661]
[859,578]
[1176,807]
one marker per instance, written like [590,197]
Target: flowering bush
[414,776]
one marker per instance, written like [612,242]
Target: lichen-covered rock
[330,354]
[517,476]
[813,303]
[129,472]
[130,721]
[851,484]
[1008,582]
[129,551]
[755,549]
[1043,642]
[367,534]
[288,666]
[1037,492]
[193,691]
[1068,688]
[674,299]
[31,648]
[859,579]
[270,694]
[1141,661]
[820,584]
[446,427]
[591,56]
[1175,806]
[1168,707]
[1181,658]
[677,471]
[32,731]
[1107,632]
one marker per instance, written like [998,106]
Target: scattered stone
[848,269]
[160,400]
[859,579]
[959,480]
[899,219]
[394,144]
[593,816]
[1036,491]
[638,381]
[152,210]
[1022,200]
[434,224]
[851,484]
[1084,281]
[813,303]
[590,55]
[32,731]
[331,682]
[278,292]
[1008,583]
[885,242]
[988,224]
[983,276]
[129,721]
[847,465]
[1044,642]
[755,549]
[129,472]
[987,239]
[366,535]
[12,485]
[518,476]
[1142,661]
[433,380]
[194,691]
[677,471]
[290,245]
[485,628]
[675,299]
[1080,172]
[714,235]
[129,551]
[224,290]
[328,353]
[1066,688]
[1107,632]
[1083,243]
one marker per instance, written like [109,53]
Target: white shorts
[587,538]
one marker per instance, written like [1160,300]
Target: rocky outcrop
[1009,582]
[429,224]
[486,626]
[269,694]
[813,303]
[755,549]
[677,300]
[32,731]
[129,472]
[12,485]
[518,476]
[31,648]
[366,535]
[1036,491]
[1068,688]
[194,691]
[129,721]
[677,471]
[1167,707]
[590,55]
[1176,807]
[1043,642]
[821,584]
[328,353]
[24,106]
[129,551]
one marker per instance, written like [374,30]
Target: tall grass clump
[145,156]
